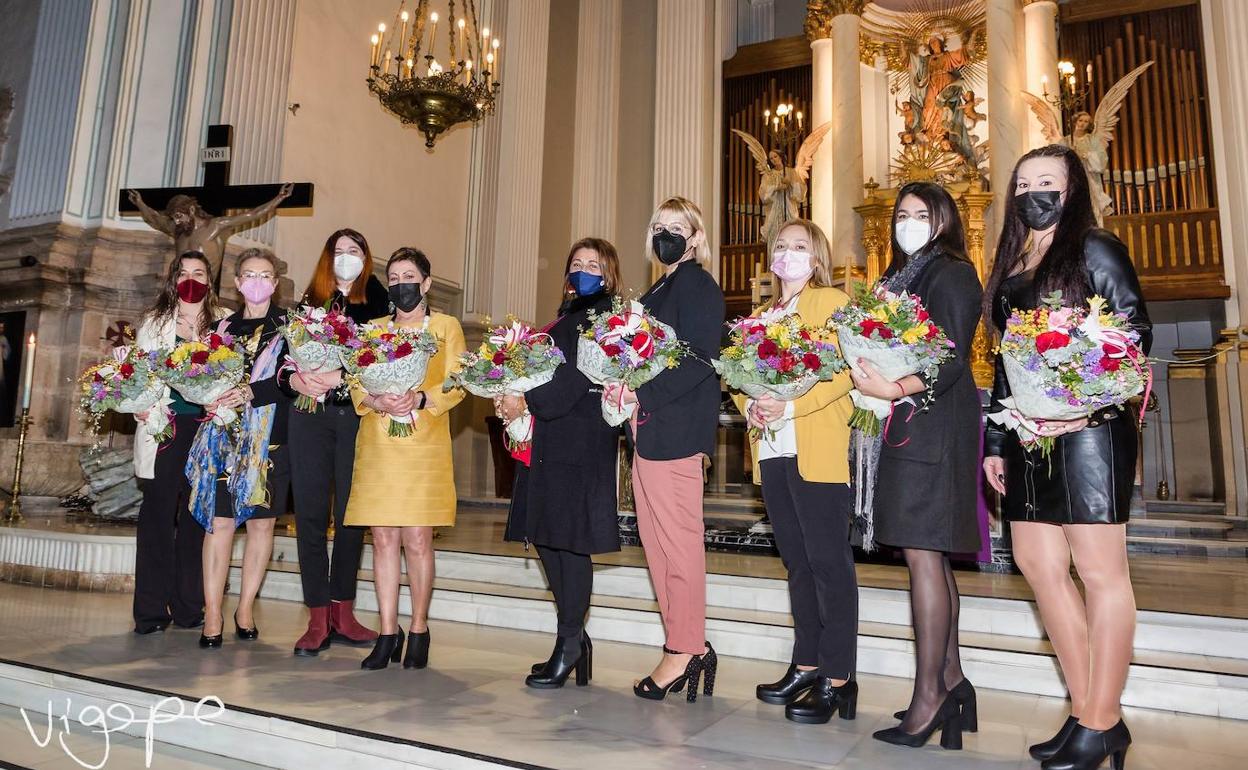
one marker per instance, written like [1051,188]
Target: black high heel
[964,693]
[1048,749]
[246,634]
[789,687]
[388,649]
[652,690]
[948,719]
[1086,749]
[213,642]
[710,665]
[570,654]
[589,645]
[417,655]
[823,700]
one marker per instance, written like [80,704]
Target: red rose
[805,335]
[96,377]
[612,349]
[404,349]
[1051,341]
[812,362]
[932,331]
[787,362]
[768,349]
[199,357]
[658,333]
[366,358]
[922,315]
[169,364]
[214,341]
[615,322]
[1110,364]
[499,358]
[643,344]
[757,329]
[386,336]
[127,369]
[870,325]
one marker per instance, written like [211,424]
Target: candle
[372,60]
[410,64]
[1044,84]
[1089,73]
[460,24]
[489,62]
[403,32]
[433,32]
[385,69]
[30,371]
[498,60]
[468,72]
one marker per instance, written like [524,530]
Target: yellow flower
[913,334]
[880,313]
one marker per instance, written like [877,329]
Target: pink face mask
[792,266]
[256,290]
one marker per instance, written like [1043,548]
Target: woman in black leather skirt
[1076,502]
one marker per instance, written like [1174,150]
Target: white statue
[782,189]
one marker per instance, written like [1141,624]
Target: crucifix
[195,216]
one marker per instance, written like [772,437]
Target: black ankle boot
[823,700]
[417,655]
[570,653]
[388,649]
[1048,749]
[1086,749]
[789,687]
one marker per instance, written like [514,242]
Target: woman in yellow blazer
[403,487]
[802,460]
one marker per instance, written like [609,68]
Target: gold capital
[819,15]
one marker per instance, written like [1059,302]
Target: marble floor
[472,699]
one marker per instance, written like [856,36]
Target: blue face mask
[585,284]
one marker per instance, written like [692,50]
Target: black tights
[934,613]
[571,578]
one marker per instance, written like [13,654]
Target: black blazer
[679,409]
[1090,475]
[566,497]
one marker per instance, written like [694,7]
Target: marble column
[759,19]
[1040,28]
[819,32]
[1007,127]
[1225,27]
[522,118]
[595,161]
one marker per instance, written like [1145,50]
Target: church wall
[16,34]
[370,172]
[556,229]
[636,139]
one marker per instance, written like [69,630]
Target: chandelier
[421,89]
[784,126]
[1069,96]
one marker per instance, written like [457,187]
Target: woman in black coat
[673,431]
[564,500]
[1076,502]
[925,494]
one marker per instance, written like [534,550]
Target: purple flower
[494,373]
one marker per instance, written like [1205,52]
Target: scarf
[864,448]
[239,452]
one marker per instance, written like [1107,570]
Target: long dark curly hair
[1062,266]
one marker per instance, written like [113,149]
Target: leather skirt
[1088,478]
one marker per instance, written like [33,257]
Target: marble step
[1187,546]
[1186,527]
[1186,506]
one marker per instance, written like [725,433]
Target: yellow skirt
[403,482]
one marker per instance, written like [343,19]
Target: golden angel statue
[782,189]
[1090,135]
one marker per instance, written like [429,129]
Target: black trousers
[322,454]
[571,578]
[168,565]
[811,523]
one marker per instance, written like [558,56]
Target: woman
[802,461]
[168,577]
[257,489]
[673,431]
[925,495]
[322,451]
[564,500]
[1075,503]
[403,487]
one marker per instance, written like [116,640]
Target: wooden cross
[217,195]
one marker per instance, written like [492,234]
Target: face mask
[256,290]
[406,296]
[348,267]
[669,247]
[585,284]
[191,290]
[912,234]
[792,266]
[1039,210]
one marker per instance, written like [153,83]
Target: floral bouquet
[780,357]
[126,385]
[317,338]
[512,360]
[391,359]
[202,372]
[893,332]
[626,345]
[1064,363]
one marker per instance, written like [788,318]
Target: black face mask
[1039,210]
[406,296]
[669,247]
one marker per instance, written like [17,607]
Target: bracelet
[424,399]
[901,390]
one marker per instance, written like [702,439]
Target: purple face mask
[256,290]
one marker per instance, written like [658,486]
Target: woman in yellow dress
[403,487]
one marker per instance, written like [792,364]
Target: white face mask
[912,234]
[348,266]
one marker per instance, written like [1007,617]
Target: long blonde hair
[820,253]
[692,215]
